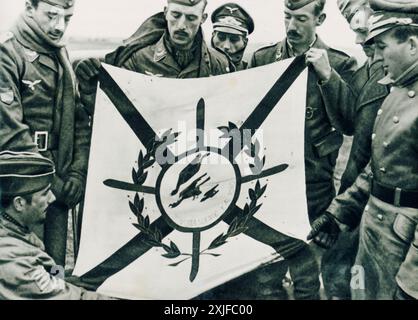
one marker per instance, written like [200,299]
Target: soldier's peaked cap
[297,4]
[189,3]
[232,18]
[66,4]
[390,14]
[406,6]
[349,7]
[23,173]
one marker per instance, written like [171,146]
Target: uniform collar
[317,43]
[408,77]
[160,50]
[17,226]
[162,55]
[19,232]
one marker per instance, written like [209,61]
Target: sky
[119,19]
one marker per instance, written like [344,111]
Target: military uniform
[148,51]
[29,82]
[388,248]
[389,233]
[157,60]
[353,113]
[322,141]
[39,113]
[360,119]
[26,270]
[231,18]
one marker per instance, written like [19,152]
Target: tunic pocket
[328,145]
[404,228]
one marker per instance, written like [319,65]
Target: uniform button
[395,120]
[227,69]
[373,136]
[382,170]
[379,112]
[380,217]
[367,208]
[392,88]
[411,94]
[385,144]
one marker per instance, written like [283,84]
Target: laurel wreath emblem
[154,238]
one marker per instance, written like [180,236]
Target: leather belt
[395,196]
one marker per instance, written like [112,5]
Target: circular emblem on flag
[198,190]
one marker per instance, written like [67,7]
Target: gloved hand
[88,69]
[72,192]
[324,231]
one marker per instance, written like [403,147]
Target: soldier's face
[36,210]
[301,24]
[53,20]
[183,22]
[359,24]
[228,42]
[397,56]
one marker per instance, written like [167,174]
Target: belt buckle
[41,140]
[397,198]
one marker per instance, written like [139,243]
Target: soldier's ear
[165,11]
[19,203]
[204,17]
[320,19]
[29,9]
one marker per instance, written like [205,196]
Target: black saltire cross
[259,231]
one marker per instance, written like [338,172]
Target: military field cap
[232,18]
[66,4]
[383,21]
[23,173]
[189,3]
[407,6]
[297,4]
[348,8]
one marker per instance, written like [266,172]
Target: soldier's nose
[51,197]
[291,25]
[60,25]
[226,45]
[360,38]
[182,23]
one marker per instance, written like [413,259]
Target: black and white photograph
[209,150]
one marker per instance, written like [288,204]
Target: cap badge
[231,10]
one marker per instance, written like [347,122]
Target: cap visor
[373,34]
[229,30]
